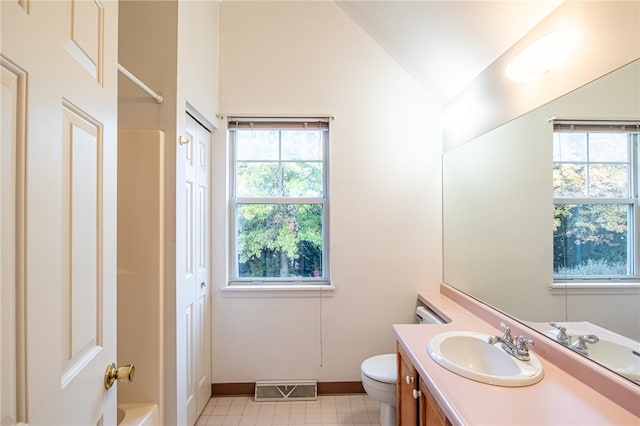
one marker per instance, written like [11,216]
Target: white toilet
[379,378]
[379,373]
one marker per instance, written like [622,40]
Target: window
[280,200]
[595,185]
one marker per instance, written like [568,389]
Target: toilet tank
[425,315]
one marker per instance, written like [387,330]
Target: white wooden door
[196,292]
[65,53]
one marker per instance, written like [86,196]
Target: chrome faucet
[562,336]
[580,345]
[518,347]
[522,348]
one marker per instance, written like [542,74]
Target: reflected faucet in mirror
[580,345]
[618,353]
[562,336]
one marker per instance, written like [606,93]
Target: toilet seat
[381,368]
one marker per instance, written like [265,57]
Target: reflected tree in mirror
[590,240]
[594,201]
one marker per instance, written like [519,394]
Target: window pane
[569,180]
[608,180]
[302,179]
[569,146]
[608,147]
[279,240]
[302,145]
[257,180]
[256,145]
[591,239]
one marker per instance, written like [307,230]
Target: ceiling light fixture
[544,54]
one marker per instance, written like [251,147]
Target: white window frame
[609,284]
[278,284]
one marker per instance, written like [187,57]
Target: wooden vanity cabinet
[407,390]
[416,405]
[429,411]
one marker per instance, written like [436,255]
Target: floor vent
[301,390]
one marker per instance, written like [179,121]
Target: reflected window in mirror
[595,190]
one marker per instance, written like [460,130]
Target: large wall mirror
[499,217]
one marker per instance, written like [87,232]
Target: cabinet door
[430,413]
[407,390]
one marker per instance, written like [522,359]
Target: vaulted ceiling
[444,45]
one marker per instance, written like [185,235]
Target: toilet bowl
[379,378]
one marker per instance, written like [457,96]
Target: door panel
[12,292]
[82,230]
[190,365]
[10,310]
[70,191]
[85,33]
[203,359]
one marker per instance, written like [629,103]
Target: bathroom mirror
[498,217]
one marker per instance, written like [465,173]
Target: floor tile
[327,410]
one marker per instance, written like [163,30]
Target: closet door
[197,302]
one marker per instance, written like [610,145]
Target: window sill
[595,287]
[315,290]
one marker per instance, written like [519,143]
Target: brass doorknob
[126,373]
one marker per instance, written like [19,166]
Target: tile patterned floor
[327,410]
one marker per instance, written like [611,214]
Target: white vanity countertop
[559,399]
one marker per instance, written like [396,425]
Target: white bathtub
[138,415]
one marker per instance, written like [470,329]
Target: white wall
[498,204]
[310,58]
[198,58]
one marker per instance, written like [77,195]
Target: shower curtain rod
[135,80]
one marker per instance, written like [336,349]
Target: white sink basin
[469,355]
[616,354]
